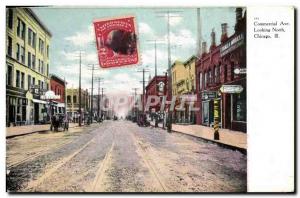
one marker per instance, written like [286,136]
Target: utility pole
[91,110]
[80,113]
[143,94]
[199,33]
[99,80]
[135,89]
[102,97]
[169,66]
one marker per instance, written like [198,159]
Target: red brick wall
[58,88]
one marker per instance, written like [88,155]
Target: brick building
[156,87]
[215,69]
[57,85]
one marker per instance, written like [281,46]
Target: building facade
[156,87]
[216,69]
[27,67]
[184,85]
[57,85]
[73,104]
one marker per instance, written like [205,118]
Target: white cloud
[144,28]
[82,38]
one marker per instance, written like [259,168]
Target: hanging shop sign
[232,44]
[207,95]
[240,71]
[231,89]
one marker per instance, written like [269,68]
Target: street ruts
[119,156]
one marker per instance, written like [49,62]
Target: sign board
[209,95]
[231,89]
[240,70]
[232,44]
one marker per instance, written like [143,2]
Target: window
[205,79]
[209,77]
[17,78]
[42,67]
[9,75]
[39,83]
[39,66]
[10,18]
[239,107]
[217,74]
[68,99]
[47,51]
[18,52]
[225,73]
[9,46]
[200,81]
[29,60]
[23,55]
[31,38]
[33,62]
[21,29]
[47,69]
[33,81]
[232,71]
[28,82]
[74,99]
[22,80]
[41,46]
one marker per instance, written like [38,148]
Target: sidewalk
[228,137]
[28,129]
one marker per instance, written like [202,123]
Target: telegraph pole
[80,113]
[169,66]
[135,89]
[99,80]
[143,95]
[91,110]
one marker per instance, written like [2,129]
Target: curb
[22,134]
[221,144]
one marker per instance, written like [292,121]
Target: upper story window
[22,54]
[10,18]
[21,29]
[29,62]
[225,73]
[9,46]
[18,52]
[33,61]
[200,81]
[47,51]
[217,74]
[9,75]
[41,46]
[31,38]
[17,78]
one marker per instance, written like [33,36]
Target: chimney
[213,39]
[204,50]
[238,17]
[238,14]
[224,32]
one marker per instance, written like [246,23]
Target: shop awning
[39,101]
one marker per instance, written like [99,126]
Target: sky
[72,30]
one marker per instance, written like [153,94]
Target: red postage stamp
[116,40]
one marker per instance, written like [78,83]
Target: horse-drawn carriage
[59,121]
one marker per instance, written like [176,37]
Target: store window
[239,106]
[205,112]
